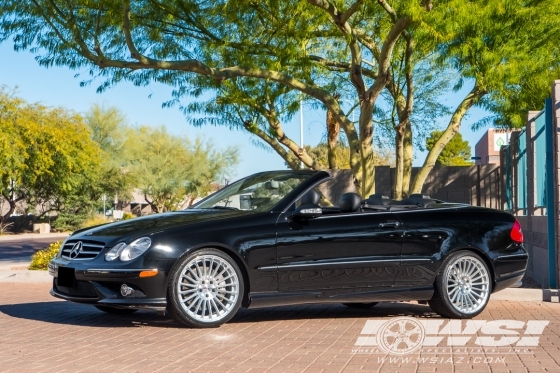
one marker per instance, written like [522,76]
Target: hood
[155,223]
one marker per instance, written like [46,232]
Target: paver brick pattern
[39,333]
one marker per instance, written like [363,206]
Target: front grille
[86,251]
[83,289]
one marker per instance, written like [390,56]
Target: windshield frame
[312,178]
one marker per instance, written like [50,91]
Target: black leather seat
[349,202]
[312,197]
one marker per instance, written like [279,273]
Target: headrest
[417,199]
[311,197]
[349,202]
[377,199]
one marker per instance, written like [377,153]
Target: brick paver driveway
[40,333]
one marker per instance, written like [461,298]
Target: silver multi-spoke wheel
[468,284]
[462,287]
[208,288]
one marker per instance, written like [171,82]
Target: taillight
[516,234]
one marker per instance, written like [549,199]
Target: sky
[58,86]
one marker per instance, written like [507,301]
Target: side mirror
[309,211]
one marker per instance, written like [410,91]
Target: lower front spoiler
[157,304]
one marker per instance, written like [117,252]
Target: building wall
[447,183]
[488,147]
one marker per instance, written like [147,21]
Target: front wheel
[462,287]
[206,289]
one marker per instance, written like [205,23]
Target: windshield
[258,192]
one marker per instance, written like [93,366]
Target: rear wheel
[462,287]
[206,289]
[116,311]
[360,305]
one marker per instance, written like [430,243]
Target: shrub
[128,215]
[68,221]
[95,220]
[41,258]
[5,228]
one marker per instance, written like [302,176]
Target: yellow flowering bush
[41,258]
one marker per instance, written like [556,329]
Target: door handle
[389,224]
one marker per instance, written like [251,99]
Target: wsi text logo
[403,335]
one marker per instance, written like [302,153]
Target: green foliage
[48,158]
[342,154]
[128,215]
[109,130]
[259,58]
[457,152]
[68,221]
[170,169]
[41,259]
[94,220]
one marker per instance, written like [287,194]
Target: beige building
[487,149]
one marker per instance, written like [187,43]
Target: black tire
[361,306]
[462,287]
[116,311]
[205,280]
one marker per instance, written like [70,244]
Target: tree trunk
[333,131]
[399,158]
[454,125]
[12,207]
[366,178]
[408,153]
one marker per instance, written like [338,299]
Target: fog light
[126,290]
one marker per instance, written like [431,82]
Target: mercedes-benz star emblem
[76,249]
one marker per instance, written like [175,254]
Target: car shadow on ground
[67,313]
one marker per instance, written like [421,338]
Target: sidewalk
[15,270]
[44,334]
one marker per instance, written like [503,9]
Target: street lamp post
[301,128]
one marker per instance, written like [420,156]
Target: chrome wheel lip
[207,288]
[467,284]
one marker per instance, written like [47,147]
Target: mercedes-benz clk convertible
[283,238]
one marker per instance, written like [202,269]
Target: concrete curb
[25,276]
[15,270]
[519,295]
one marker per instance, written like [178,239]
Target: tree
[108,129]
[502,47]
[221,41]
[48,157]
[323,156]
[457,152]
[303,46]
[171,170]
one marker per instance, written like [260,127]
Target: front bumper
[92,283]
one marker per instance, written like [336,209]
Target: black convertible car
[276,238]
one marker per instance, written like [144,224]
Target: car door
[338,253]
[425,231]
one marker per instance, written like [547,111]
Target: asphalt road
[25,245]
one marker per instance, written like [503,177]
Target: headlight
[128,252]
